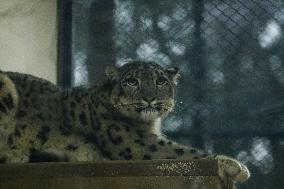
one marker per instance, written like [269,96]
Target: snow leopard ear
[111,73]
[173,74]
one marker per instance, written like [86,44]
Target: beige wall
[28,37]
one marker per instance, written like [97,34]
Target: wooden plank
[113,175]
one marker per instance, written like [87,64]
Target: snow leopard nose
[150,100]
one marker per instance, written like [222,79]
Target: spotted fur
[119,120]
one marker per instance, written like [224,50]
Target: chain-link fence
[231,59]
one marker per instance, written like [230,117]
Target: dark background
[231,59]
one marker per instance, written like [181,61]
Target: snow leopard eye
[132,81]
[161,81]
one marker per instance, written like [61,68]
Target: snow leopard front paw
[229,167]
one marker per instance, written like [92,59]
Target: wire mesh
[230,54]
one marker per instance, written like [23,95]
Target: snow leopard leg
[8,98]
[8,108]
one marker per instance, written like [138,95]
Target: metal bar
[64,69]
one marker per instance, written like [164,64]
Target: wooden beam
[154,174]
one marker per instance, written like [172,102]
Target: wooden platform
[157,174]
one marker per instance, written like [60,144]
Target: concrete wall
[28,37]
